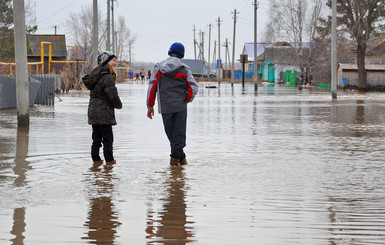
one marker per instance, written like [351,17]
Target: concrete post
[108,44]
[95,34]
[334,50]
[219,51]
[255,46]
[232,63]
[22,85]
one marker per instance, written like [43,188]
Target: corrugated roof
[371,67]
[58,45]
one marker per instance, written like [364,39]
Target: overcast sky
[158,23]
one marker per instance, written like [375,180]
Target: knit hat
[104,57]
[176,49]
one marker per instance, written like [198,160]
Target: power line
[54,14]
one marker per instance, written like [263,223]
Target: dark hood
[90,80]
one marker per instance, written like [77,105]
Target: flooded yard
[281,167]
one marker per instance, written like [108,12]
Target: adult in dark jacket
[173,84]
[101,114]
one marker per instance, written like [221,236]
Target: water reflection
[170,225]
[21,164]
[18,226]
[102,217]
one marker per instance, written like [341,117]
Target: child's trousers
[175,127]
[102,134]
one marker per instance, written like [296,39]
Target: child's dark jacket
[103,96]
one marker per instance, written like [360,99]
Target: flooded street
[283,167]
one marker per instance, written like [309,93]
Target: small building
[59,50]
[248,49]
[280,58]
[347,76]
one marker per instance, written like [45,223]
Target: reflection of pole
[18,226]
[22,90]
[334,50]
[95,34]
[255,73]
[21,164]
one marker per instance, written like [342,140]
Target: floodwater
[282,167]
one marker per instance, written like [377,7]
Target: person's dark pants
[175,127]
[102,134]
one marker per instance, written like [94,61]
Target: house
[347,76]
[282,57]
[248,49]
[58,49]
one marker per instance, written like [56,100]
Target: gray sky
[158,23]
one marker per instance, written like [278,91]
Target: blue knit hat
[176,49]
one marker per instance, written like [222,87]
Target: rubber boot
[97,164]
[109,165]
[174,161]
[183,161]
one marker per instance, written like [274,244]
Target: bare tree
[79,27]
[360,19]
[124,38]
[295,21]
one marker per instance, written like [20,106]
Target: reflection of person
[175,86]
[103,99]
[102,219]
[170,224]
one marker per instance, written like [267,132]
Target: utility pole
[215,51]
[116,46]
[108,44]
[255,73]
[55,29]
[95,34]
[227,56]
[203,46]
[195,45]
[113,29]
[208,55]
[129,51]
[22,85]
[334,50]
[219,50]
[232,63]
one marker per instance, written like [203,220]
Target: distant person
[142,74]
[101,114]
[149,74]
[137,76]
[131,74]
[175,86]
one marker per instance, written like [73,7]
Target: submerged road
[283,167]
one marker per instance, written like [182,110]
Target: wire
[57,12]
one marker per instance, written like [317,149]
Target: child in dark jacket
[101,114]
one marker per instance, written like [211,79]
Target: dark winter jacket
[172,82]
[103,96]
